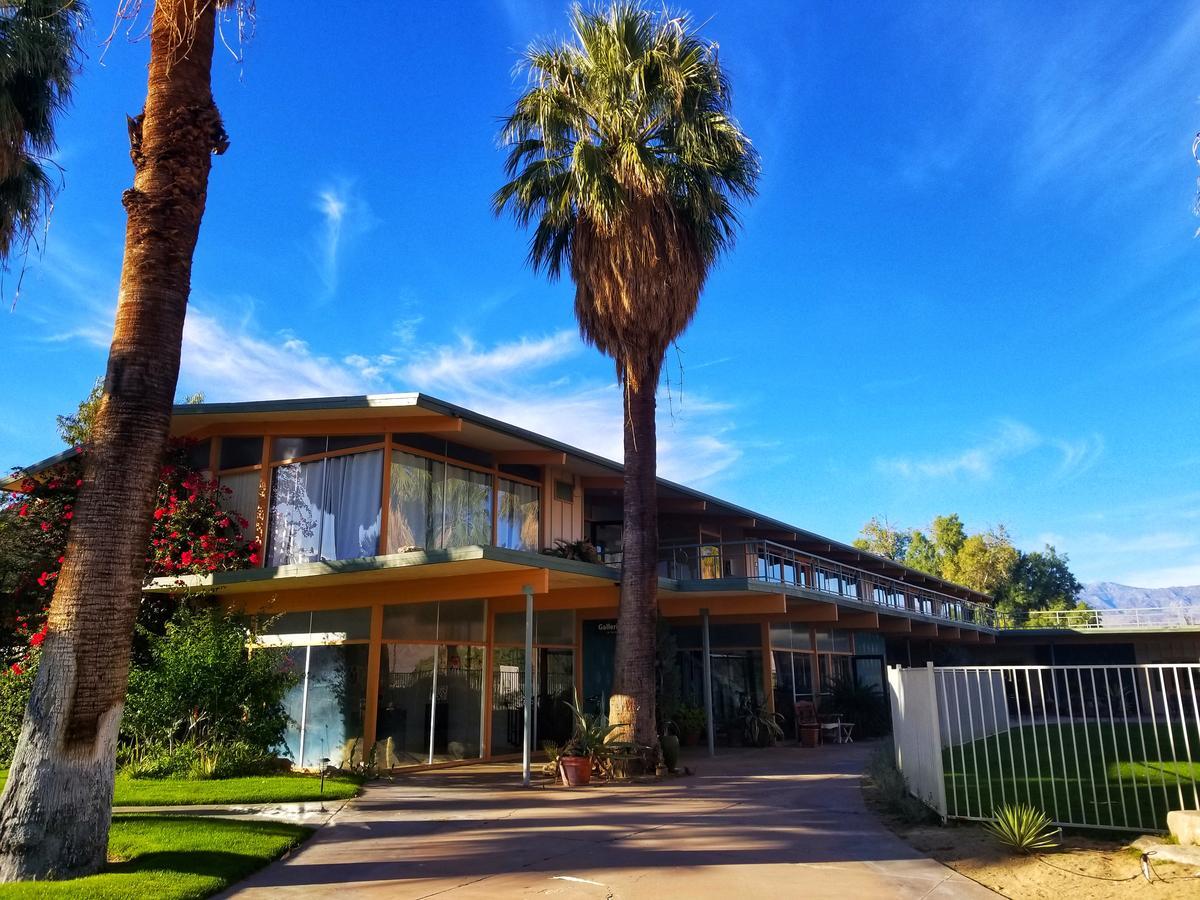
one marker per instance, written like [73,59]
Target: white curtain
[243,499]
[351,506]
[326,509]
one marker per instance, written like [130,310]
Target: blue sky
[969,282]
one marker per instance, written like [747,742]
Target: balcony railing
[774,563]
[1108,619]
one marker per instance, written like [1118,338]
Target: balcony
[771,563]
[1133,619]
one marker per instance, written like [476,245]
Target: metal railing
[773,563]
[1107,619]
[1111,746]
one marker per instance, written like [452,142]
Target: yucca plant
[1023,828]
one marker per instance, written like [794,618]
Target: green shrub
[15,686]
[204,705]
[1023,828]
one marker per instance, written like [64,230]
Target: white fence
[1092,746]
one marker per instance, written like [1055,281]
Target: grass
[173,858]
[1121,776]
[250,789]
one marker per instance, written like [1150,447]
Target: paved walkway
[782,822]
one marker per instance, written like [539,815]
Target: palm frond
[39,58]
[625,159]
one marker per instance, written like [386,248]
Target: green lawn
[252,789]
[172,858]
[1122,776]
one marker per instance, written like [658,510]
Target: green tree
[984,563]
[1041,580]
[882,538]
[75,428]
[56,807]
[625,158]
[922,553]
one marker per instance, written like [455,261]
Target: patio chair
[806,717]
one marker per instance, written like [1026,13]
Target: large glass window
[553,679]
[327,705]
[435,505]
[325,509]
[517,522]
[431,682]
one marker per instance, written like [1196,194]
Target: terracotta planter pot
[810,735]
[576,770]
[691,739]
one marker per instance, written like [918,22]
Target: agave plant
[591,734]
[1023,828]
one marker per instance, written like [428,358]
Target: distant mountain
[1108,595]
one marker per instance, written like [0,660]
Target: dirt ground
[1084,867]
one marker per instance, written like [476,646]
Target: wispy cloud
[228,361]
[344,216]
[1008,440]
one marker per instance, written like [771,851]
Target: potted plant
[760,726]
[690,721]
[586,747]
[669,744]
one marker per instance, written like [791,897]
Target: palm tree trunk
[57,805]
[632,702]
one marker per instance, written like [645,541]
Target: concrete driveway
[781,822]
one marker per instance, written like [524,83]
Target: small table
[837,732]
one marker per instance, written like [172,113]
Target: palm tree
[39,57]
[57,805]
[624,156]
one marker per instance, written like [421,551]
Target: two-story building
[403,537]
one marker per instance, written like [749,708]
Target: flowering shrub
[192,533]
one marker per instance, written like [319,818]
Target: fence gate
[916,733]
[1112,747]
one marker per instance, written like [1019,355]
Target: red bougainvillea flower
[255,559]
[16,669]
[24,510]
[185,558]
[36,640]
[159,513]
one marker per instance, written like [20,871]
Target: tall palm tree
[56,807]
[624,156]
[39,57]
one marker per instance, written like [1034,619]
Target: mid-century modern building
[404,536]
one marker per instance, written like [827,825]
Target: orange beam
[866,620]
[895,625]
[307,427]
[755,604]
[460,587]
[811,611]
[531,457]
[923,629]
